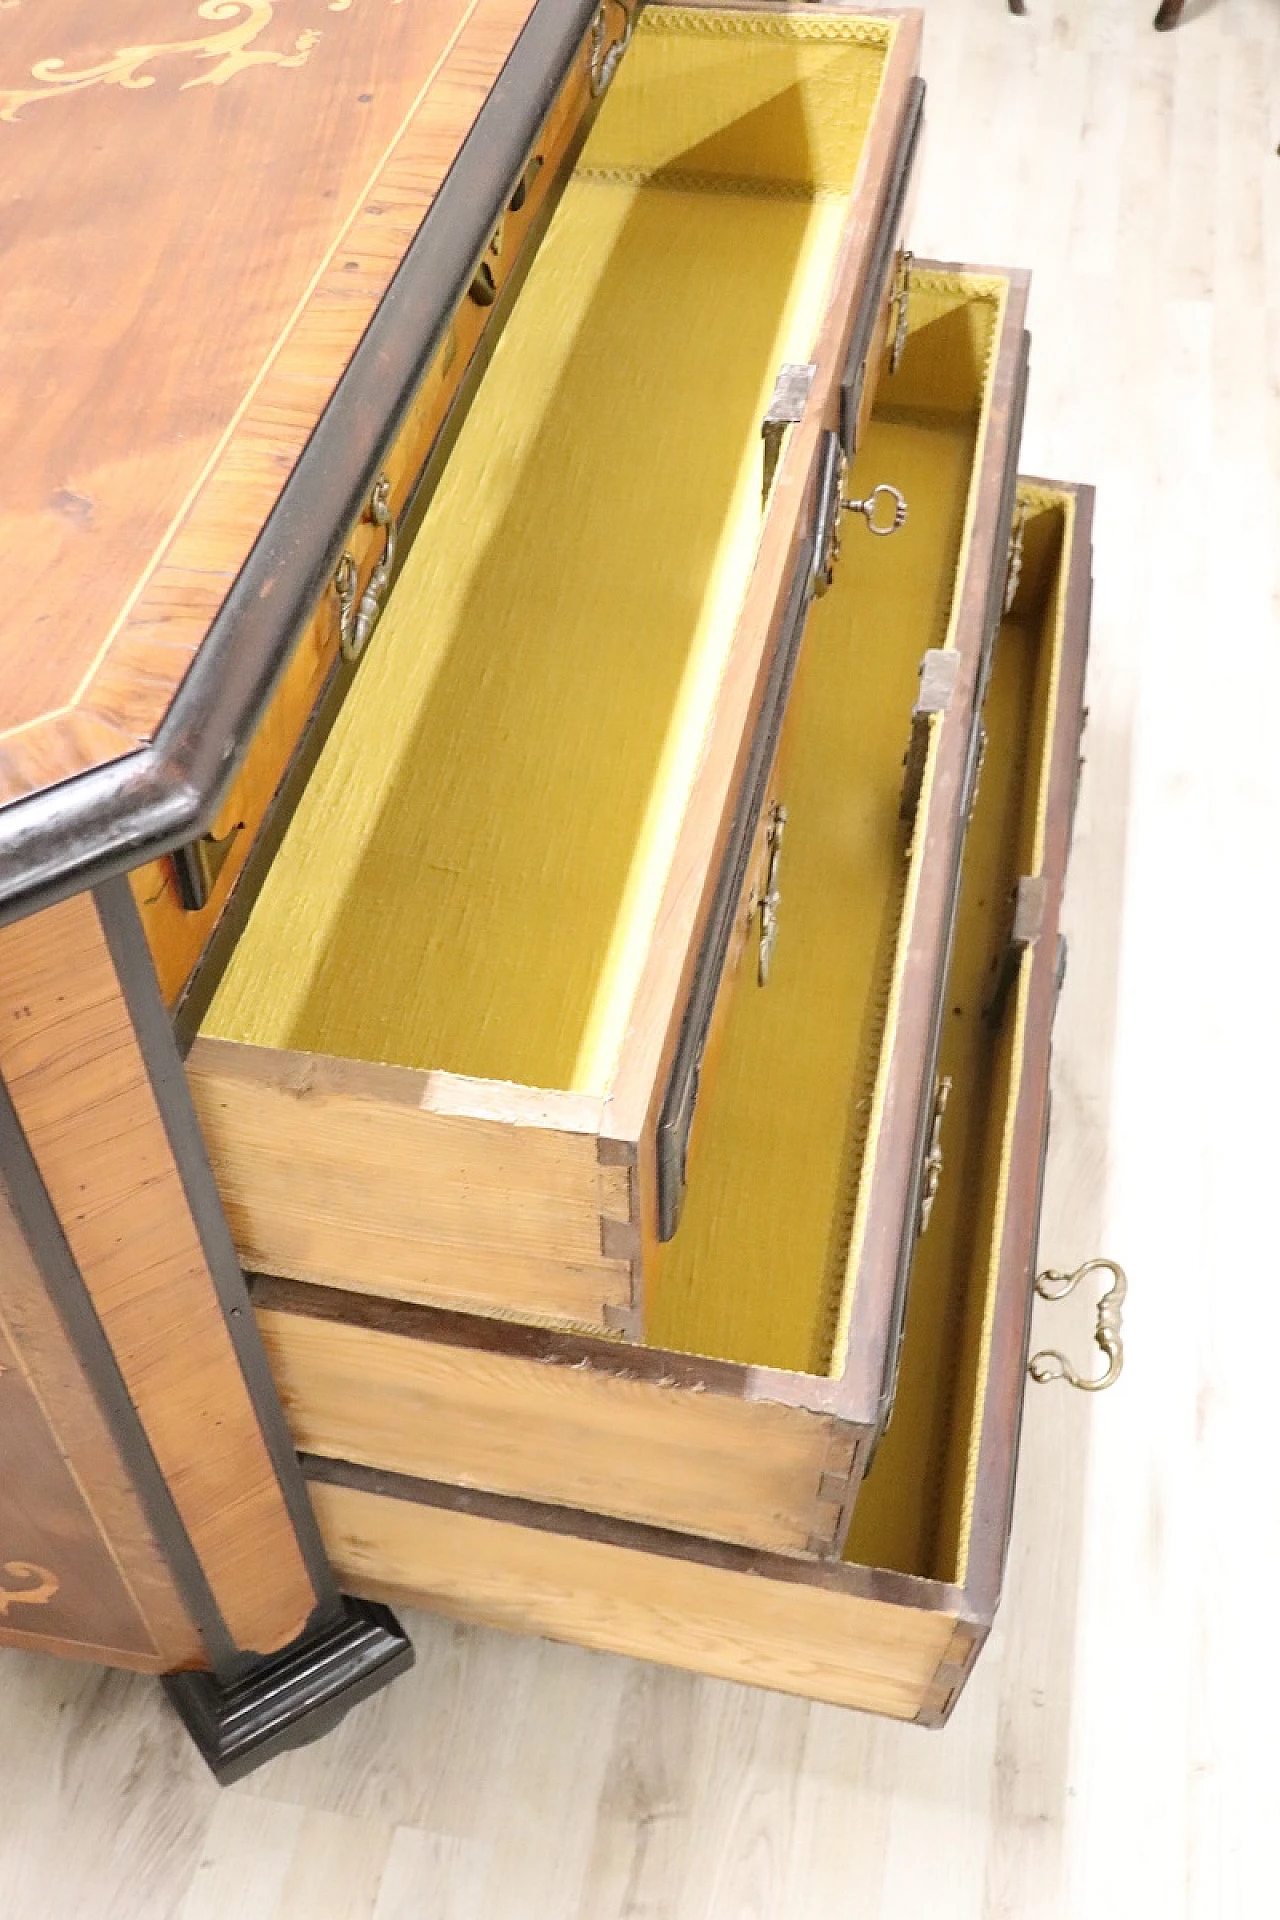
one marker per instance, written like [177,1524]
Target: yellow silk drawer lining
[764,1265]
[784,96]
[915,1511]
[471,880]
[756,1272]
[728,22]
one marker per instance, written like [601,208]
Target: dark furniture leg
[1169,15]
[292,1697]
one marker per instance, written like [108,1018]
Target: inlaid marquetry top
[202,204]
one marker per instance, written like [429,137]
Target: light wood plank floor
[1114,1756]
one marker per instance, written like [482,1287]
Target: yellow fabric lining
[960,316]
[757,1267]
[1055,513]
[471,880]
[761,1268]
[915,1511]
[757,96]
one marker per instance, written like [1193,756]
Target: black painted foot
[292,1697]
[1169,15]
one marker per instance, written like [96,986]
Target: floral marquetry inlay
[38,1588]
[229,49]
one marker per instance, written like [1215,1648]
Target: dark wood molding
[296,1696]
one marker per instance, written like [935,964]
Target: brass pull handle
[1052,1365]
[867,508]
[933,1159]
[605,60]
[771,899]
[358,618]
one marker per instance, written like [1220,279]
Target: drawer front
[885,295]
[742,892]
[481,713]
[744,877]
[182,897]
[739,1454]
[443,1397]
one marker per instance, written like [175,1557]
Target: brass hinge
[900,300]
[1014,571]
[980,762]
[791,392]
[771,899]
[938,672]
[1029,899]
[933,1158]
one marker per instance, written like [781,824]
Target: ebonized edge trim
[675,1122]
[296,1696]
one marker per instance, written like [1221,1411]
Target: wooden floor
[1114,1758]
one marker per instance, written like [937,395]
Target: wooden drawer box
[471,896]
[434,1066]
[741,1450]
[893,1625]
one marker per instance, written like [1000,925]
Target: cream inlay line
[198,485]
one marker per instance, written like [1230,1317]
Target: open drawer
[767,1448]
[893,1625]
[434,1065]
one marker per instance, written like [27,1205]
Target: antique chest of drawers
[538,840]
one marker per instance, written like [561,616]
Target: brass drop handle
[867,508]
[605,60]
[771,899]
[1052,1365]
[358,618]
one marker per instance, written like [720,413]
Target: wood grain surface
[83,1094]
[169,387]
[372,1386]
[95,1583]
[417,1185]
[798,1639]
